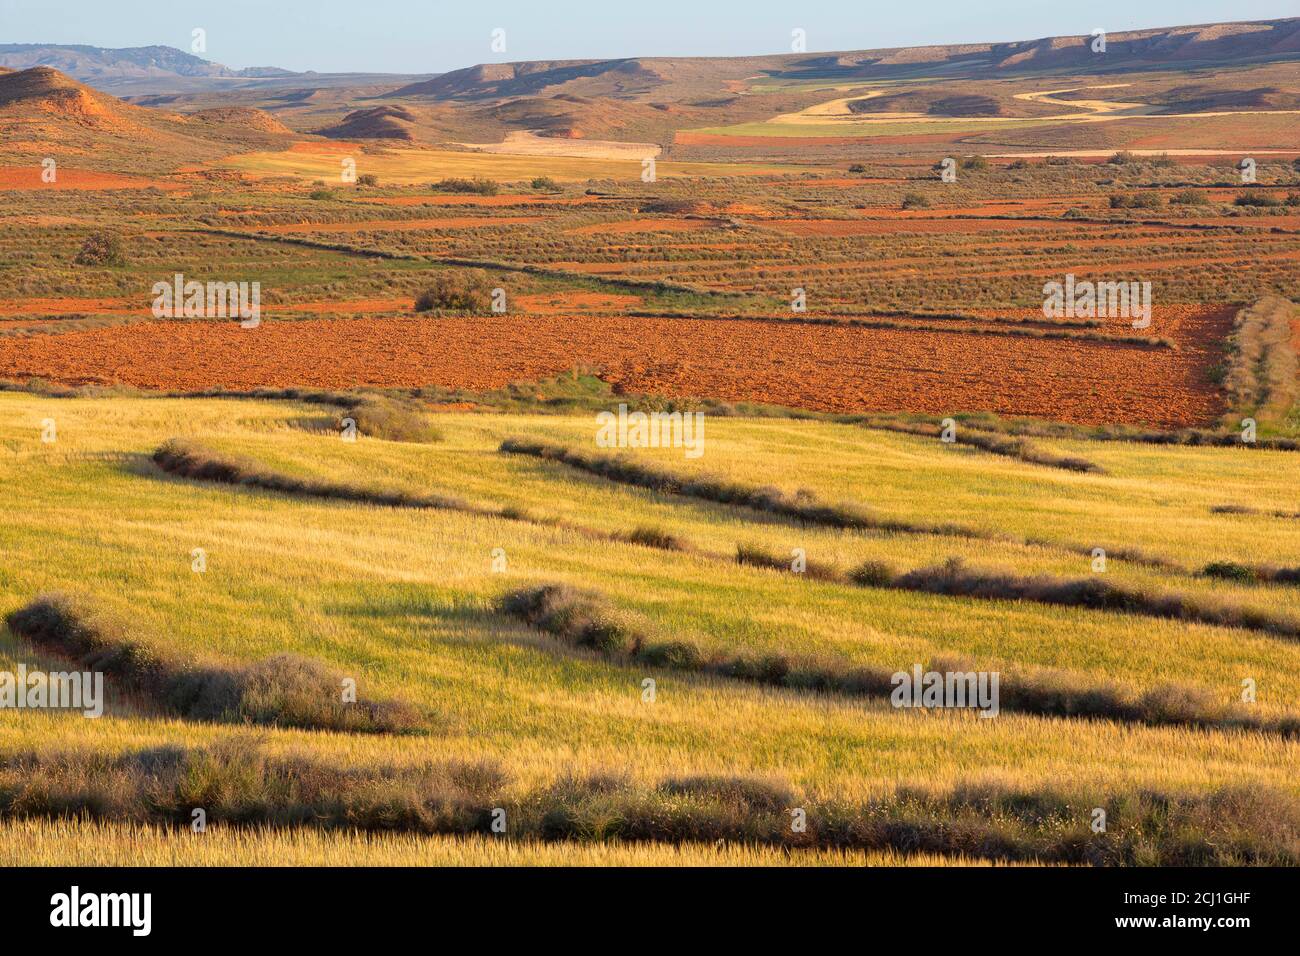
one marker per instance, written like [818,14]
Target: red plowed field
[834,369]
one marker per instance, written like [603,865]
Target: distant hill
[44,112]
[87,63]
[679,78]
[164,69]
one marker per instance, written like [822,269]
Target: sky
[433,36]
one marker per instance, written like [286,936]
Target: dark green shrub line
[802,506]
[186,460]
[758,557]
[1010,447]
[1251,573]
[477,185]
[236,784]
[194,462]
[587,620]
[1038,428]
[285,690]
[1248,510]
[955,579]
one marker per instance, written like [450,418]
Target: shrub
[874,574]
[367,179]
[583,617]
[1257,199]
[391,420]
[1122,158]
[915,201]
[652,537]
[185,460]
[478,185]
[1190,197]
[1147,200]
[321,194]
[545,184]
[461,290]
[101,249]
[975,163]
[1228,571]
[857,168]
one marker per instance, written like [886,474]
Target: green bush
[1257,199]
[1148,200]
[477,185]
[461,290]
[101,249]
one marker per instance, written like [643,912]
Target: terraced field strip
[829,368]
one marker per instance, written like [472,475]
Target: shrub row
[236,784]
[285,690]
[587,620]
[954,578]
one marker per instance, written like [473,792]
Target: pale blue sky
[429,36]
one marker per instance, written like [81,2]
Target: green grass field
[403,601]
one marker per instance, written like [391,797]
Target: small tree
[483,187]
[461,290]
[101,249]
